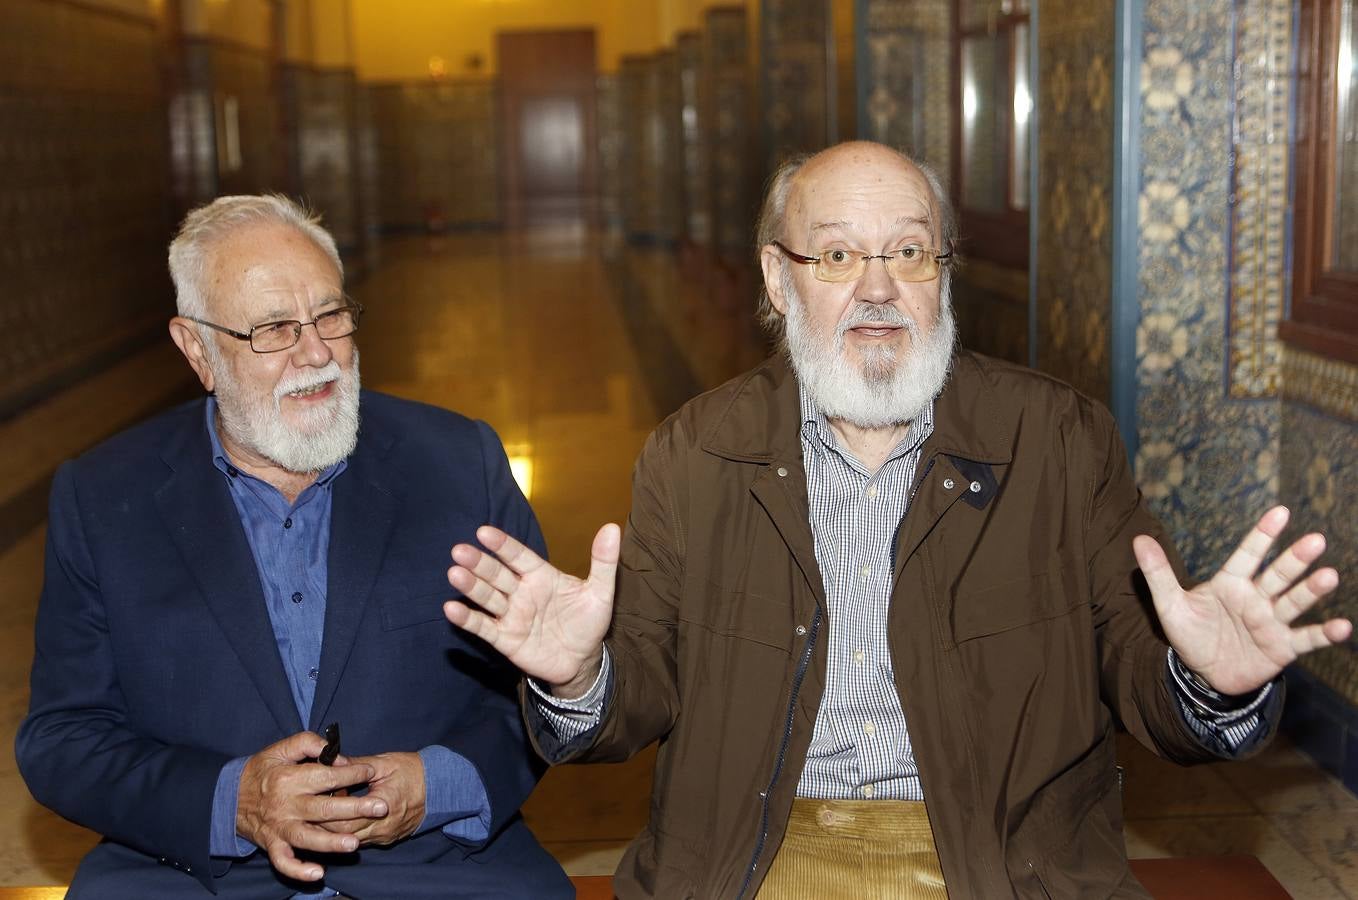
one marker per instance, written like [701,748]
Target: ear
[190,343]
[771,261]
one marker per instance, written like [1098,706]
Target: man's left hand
[399,780]
[1235,631]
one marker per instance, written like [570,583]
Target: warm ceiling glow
[1023,104]
[521,465]
[438,67]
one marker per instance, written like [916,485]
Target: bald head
[864,181]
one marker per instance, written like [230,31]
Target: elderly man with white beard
[879,600]
[234,577]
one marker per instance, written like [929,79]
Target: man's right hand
[549,624]
[280,803]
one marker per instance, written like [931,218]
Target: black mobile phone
[332,745]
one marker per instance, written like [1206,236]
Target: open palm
[549,624]
[1235,630]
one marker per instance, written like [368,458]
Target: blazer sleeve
[76,749]
[496,742]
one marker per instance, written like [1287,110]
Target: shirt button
[287,523]
[869,729]
[296,596]
[859,656]
[948,484]
[867,570]
[867,791]
[231,470]
[872,492]
[975,487]
[313,673]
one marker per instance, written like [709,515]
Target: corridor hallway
[573,347]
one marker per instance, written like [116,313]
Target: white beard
[888,388]
[324,436]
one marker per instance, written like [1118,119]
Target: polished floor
[573,348]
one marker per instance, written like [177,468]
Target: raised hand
[1235,631]
[282,800]
[549,624]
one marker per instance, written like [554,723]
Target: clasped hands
[287,803]
[1234,631]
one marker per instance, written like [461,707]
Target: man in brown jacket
[879,599]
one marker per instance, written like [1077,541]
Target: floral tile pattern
[1208,463]
[1075,182]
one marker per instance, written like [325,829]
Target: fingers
[477,589]
[296,748]
[1249,556]
[1304,595]
[1160,577]
[1325,634]
[512,553]
[603,566]
[482,566]
[472,621]
[286,862]
[1290,566]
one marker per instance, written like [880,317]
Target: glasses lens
[337,323]
[839,265]
[912,263]
[274,336]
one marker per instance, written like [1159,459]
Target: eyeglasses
[912,262]
[270,337]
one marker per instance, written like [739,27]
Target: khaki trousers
[854,849]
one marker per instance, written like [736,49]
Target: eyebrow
[285,315]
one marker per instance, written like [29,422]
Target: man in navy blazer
[225,580]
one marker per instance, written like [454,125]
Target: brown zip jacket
[1017,634]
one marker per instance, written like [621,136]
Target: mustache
[875,314]
[305,380]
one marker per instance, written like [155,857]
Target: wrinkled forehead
[869,196]
[268,265]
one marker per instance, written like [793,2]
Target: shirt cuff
[1230,719]
[572,718]
[223,840]
[454,796]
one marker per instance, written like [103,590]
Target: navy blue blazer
[156,662]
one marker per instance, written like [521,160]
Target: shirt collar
[816,426]
[228,468]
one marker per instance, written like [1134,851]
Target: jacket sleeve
[1133,653]
[495,741]
[77,749]
[642,697]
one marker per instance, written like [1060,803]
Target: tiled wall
[437,147]
[1230,420]
[322,111]
[726,124]
[82,142]
[795,89]
[1075,182]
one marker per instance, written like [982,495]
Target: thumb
[300,747]
[603,566]
[1160,577]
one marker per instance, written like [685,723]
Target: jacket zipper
[1040,883]
[782,753]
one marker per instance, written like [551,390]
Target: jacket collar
[762,420]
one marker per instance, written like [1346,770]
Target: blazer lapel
[361,521]
[196,507]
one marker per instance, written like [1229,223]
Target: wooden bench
[1189,878]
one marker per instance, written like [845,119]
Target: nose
[310,350]
[876,285]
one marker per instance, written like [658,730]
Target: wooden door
[548,126]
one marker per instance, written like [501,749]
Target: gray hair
[773,218]
[208,224]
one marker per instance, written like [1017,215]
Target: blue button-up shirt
[291,544]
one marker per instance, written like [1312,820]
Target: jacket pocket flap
[1013,604]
